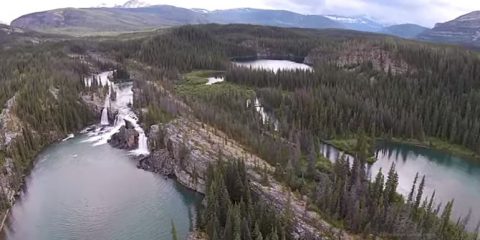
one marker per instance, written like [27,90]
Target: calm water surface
[451,177]
[273,65]
[80,191]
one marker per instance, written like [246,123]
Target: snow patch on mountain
[135,4]
[343,19]
[200,10]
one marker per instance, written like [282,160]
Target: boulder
[125,138]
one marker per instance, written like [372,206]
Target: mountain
[360,23]
[407,30]
[130,18]
[279,18]
[94,20]
[12,36]
[463,30]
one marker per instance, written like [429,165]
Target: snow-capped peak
[200,10]
[135,4]
[344,19]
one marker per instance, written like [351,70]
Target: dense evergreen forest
[232,212]
[42,85]
[435,94]
[399,89]
[405,89]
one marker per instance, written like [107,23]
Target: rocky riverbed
[126,138]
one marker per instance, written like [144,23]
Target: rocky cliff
[353,54]
[463,30]
[186,147]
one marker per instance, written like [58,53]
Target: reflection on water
[80,191]
[451,177]
[273,65]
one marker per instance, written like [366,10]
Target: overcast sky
[424,12]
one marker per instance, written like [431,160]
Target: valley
[242,141]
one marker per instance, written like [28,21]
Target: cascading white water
[104,120]
[104,80]
[266,118]
[124,98]
[142,143]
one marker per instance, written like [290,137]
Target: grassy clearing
[324,165]
[194,85]
[348,146]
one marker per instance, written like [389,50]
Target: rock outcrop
[186,147]
[463,30]
[125,138]
[354,54]
[10,124]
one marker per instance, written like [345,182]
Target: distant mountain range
[136,15]
[405,30]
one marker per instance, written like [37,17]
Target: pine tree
[420,193]
[256,232]
[412,192]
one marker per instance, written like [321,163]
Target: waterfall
[142,144]
[104,81]
[121,103]
[104,121]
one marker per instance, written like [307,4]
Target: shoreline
[466,154]
[17,193]
[429,144]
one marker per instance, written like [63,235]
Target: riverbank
[191,146]
[15,194]
[13,182]
[348,146]
[439,145]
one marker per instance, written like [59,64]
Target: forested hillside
[40,97]
[385,87]
[362,86]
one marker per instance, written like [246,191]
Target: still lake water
[80,191]
[273,65]
[451,177]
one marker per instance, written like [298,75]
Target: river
[82,188]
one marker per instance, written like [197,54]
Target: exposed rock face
[96,105]
[190,146]
[10,124]
[125,138]
[353,54]
[462,30]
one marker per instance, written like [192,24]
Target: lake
[451,177]
[273,65]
